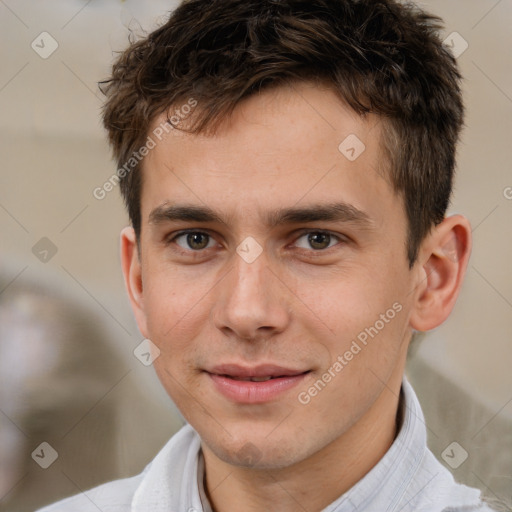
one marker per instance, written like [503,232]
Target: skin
[297,305]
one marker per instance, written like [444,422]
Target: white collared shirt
[407,479]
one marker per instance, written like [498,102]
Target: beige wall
[54,155]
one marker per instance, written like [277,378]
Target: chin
[258,451]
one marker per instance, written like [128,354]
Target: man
[287,167]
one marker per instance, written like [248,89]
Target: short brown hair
[380,56]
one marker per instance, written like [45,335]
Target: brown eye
[319,240]
[195,240]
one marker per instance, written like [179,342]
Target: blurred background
[74,397]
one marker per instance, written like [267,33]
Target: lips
[257,384]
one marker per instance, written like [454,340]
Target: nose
[251,302]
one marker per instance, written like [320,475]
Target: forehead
[300,109]
[293,143]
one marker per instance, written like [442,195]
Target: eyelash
[172,240]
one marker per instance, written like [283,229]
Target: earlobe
[132,272]
[445,256]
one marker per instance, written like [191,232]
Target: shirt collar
[171,480]
[383,487]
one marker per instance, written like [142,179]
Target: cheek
[175,308]
[340,303]
[356,307]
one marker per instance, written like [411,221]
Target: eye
[194,240]
[317,240]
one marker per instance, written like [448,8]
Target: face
[269,251]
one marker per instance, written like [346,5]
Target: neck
[312,483]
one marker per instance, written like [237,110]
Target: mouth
[252,379]
[251,385]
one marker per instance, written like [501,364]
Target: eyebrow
[331,212]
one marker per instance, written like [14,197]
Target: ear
[443,260]
[132,272]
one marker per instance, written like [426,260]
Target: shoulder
[113,496]
[166,471]
[444,494]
